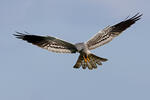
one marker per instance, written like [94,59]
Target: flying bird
[86,59]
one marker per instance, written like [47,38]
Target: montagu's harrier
[86,58]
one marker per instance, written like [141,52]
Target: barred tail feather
[79,62]
[97,59]
[84,64]
[91,63]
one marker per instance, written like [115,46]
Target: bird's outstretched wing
[47,42]
[107,34]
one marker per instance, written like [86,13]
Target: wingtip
[136,17]
[19,35]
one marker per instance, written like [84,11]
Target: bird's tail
[89,61]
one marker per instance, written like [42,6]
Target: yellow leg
[85,59]
[88,59]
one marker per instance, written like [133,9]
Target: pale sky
[31,73]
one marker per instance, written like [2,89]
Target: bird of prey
[86,58]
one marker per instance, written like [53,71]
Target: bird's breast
[82,47]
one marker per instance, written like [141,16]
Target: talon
[85,59]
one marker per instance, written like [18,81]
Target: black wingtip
[127,23]
[19,35]
[29,38]
[136,17]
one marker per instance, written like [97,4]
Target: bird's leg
[85,59]
[88,58]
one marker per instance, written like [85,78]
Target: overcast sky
[31,73]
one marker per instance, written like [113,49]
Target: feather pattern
[47,42]
[86,59]
[91,63]
[107,34]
